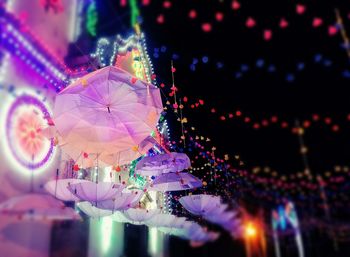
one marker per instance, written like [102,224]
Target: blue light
[260,63]
[205,59]
[282,217]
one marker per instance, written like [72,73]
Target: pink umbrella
[95,192]
[121,201]
[37,207]
[59,188]
[200,204]
[175,182]
[162,163]
[107,111]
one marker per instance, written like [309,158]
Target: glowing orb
[26,117]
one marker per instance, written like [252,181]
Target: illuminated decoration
[54,5]
[92,18]
[283,217]
[135,13]
[17,39]
[25,118]
[254,238]
[128,54]
[250,230]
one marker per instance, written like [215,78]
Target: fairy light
[16,42]
[343,33]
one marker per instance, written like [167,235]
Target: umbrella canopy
[92,211]
[126,156]
[120,217]
[200,204]
[161,220]
[38,207]
[175,182]
[222,218]
[122,201]
[139,216]
[191,231]
[162,163]
[107,111]
[59,188]
[95,192]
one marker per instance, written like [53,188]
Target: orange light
[250,230]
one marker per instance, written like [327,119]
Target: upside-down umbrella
[128,155]
[121,201]
[200,204]
[59,188]
[138,216]
[175,182]
[162,163]
[161,220]
[92,211]
[95,192]
[222,218]
[118,216]
[191,231]
[37,207]
[107,111]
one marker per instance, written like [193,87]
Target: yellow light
[250,230]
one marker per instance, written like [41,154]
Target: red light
[206,27]
[328,120]
[219,16]
[167,4]
[192,14]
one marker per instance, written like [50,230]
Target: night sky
[272,61]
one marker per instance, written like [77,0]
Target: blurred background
[254,92]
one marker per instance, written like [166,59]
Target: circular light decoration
[26,117]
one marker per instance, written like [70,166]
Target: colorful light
[250,230]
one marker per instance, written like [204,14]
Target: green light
[91,19]
[136,178]
[106,233]
[135,12]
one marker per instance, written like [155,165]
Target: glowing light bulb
[250,230]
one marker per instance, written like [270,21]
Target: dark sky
[301,51]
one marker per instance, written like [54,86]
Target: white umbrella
[37,207]
[59,188]
[162,163]
[139,216]
[121,201]
[95,192]
[92,211]
[200,204]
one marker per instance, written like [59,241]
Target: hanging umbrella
[126,156]
[59,188]
[92,211]
[221,218]
[37,207]
[118,216]
[162,163]
[175,182]
[139,216]
[107,111]
[95,192]
[161,220]
[191,231]
[200,204]
[121,201]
